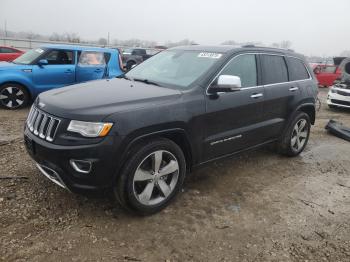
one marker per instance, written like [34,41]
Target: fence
[27,44]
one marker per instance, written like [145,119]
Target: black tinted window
[59,57]
[274,69]
[297,69]
[243,66]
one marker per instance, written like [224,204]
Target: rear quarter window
[274,69]
[297,69]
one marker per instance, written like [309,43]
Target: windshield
[174,67]
[28,57]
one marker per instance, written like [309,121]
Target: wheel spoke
[164,187]
[157,160]
[169,168]
[142,175]
[9,104]
[302,125]
[19,93]
[146,194]
[293,141]
[9,89]
[298,144]
[303,134]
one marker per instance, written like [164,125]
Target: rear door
[232,118]
[91,65]
[60,70]
[280,94]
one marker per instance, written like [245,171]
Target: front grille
[340,102]
[343,93]
[42,124]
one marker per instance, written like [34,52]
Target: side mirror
[226,83]
[43,62]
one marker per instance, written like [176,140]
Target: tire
[144,186]
[129,65]
[295,138]
[13,96]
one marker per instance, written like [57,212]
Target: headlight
[89,129]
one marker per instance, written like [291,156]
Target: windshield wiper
[125,77]
[146,81]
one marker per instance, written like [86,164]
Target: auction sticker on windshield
[210,55]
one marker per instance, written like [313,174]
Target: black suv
[142,132]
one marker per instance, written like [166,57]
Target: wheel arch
[21,84]
[310,110]
[177,135]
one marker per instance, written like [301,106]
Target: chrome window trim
[253,87]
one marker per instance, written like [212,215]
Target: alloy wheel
[156,177]
[299,135]
[12,97]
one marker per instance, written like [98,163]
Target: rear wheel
[152,177]
[296,136]
[13,96]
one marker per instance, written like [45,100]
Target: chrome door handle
[292,89]
[256,95]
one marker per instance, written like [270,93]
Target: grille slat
[42,124]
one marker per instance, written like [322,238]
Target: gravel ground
[256,207]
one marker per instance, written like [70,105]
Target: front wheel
[151,177]
[296,136]
[13,96]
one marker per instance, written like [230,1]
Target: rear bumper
[55,162]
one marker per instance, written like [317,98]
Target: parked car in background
[9,53]
[54,66]
[326,74]
[339,93]
[181,108]
[132,57]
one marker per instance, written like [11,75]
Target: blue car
[54,66]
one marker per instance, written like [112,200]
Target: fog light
[81,166]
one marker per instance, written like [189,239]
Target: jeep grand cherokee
[140,134]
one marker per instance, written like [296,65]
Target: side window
[92,58]
[6,50]
[329,69]
[59,57]
[243,66]
[274,69]
[297,69]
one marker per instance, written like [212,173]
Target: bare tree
[102,41]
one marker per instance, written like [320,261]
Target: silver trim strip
[76,168]
[58,182]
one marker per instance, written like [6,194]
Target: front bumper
[339,100]
[54,161]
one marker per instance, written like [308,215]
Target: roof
[232,48]
[78,47]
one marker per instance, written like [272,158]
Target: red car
[327,74]
[9,53]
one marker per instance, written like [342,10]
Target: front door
[60,70]
[232,118]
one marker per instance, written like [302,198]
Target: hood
[12,66]
[97,99]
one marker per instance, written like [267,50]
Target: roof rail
[278,48]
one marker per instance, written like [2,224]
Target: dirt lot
[255,207]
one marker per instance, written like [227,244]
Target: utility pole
[108,39]
[5,28]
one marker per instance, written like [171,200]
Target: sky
[315,27]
